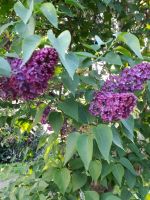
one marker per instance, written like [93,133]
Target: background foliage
[82,158]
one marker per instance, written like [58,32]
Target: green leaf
[85,149]
[123,51]
[25,30]
[112,58]
[75,110]
[74,3]
[56,121]
[129,125]
[48,175]
[39,114]
[125,194]
[61,44]
[118,172]
[148,83]
[126,163]
[89,80]
[130,178]
[5,69]
[42,185]
[71,63]
[76,164]
[91,195]
[106,169]
[104,137]
[95,169]
[70,108]
[62,179]
[71,84]
[50,13]
[71,146]
[85,54]
[30,43]
[132,41]
[69,60]
[42,197]
[5,26]
[23,12]
[111,197]
[78,180]
[116,138]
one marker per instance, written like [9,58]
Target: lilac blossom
[30,80]
[130,79]
[112,106]
[133,79]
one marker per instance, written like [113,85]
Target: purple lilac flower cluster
[112,106]
[116,99]
[30,80]
[130,80]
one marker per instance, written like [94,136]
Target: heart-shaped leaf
[23,12]
[50,13]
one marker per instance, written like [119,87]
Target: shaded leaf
[126,163]
[85,149]
[95,169]
[91,195]
[56,121]
[130,178]
[112,58]
[104,137]
[74,3]
[62,179]
[116,137]
[71,84]
[129,125]
[70,108]
[112,197]
[118,172]
[71,145]
[78,181]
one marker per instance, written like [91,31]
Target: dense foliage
[75,93]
